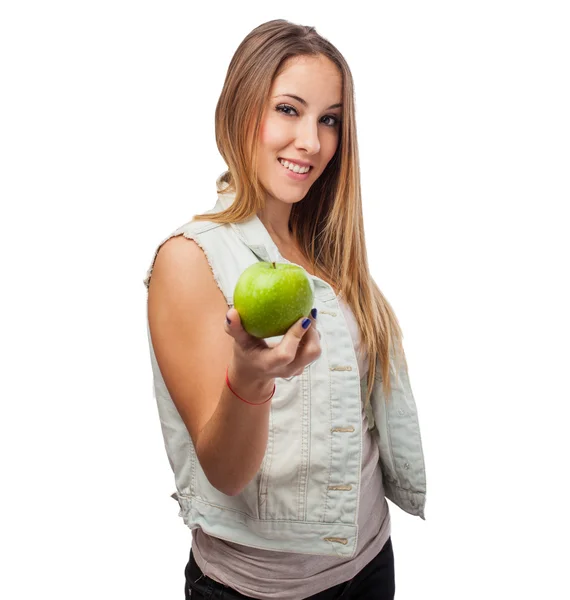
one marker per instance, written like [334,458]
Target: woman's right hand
[256,359]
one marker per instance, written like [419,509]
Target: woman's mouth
[291,174]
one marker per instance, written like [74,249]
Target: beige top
[286,575]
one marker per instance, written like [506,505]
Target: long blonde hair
[328,223]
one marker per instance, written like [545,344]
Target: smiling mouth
[306,173]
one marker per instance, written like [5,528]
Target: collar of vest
[252,232]
[254,235]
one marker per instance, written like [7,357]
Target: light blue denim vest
[304,498]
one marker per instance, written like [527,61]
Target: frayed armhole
[194,237]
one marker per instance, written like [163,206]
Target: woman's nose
[308,137]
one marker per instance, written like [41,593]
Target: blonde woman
[284,450]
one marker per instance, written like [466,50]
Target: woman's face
[301,131]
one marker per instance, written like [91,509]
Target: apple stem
[274,265]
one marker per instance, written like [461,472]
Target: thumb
[294,335]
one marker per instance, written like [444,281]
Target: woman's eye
[335,122]
[283,108]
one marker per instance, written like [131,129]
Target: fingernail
[306,323]
[314,313]
[228,321]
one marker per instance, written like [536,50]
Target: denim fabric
[304,497]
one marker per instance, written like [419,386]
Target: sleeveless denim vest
[304,498]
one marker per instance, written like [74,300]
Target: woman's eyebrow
[304,102]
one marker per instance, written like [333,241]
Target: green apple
[270,297]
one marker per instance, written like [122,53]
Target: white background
[107,145]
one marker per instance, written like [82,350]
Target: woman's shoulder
[191,230]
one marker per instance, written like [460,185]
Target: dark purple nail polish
[306,323]
[314,313]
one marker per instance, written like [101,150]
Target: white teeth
[293,167]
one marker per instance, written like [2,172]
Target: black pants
[374,582]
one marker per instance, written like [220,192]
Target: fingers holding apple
[270,300]
[299,348]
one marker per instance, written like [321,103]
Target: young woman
[284,450]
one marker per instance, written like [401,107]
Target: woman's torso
[268,574]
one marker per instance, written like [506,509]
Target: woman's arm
[186,312]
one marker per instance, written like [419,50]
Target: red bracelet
[254,403]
